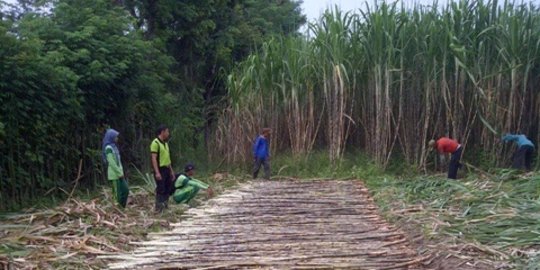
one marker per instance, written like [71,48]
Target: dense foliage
[71,68]
[388,79]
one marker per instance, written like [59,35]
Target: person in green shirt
[115,171]
[186,187]
[161,165]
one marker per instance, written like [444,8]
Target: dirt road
[279,225]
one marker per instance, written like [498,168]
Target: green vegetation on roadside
[499,211]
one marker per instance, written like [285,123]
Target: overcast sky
[313,8]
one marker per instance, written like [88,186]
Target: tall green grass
[388,79]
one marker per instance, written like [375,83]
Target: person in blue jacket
[261,153]
[524,153]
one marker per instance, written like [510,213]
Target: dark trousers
[454,163]
[164,188]
[523,157]
[266,165]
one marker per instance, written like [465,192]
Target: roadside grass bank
[485,220]
[489,221]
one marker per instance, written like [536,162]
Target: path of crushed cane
[279,225]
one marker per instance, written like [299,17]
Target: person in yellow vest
[162,167]
[187,187]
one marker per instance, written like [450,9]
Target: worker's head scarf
[110,139]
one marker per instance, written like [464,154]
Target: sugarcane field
[287,134]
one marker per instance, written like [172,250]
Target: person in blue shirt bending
[261,153]
[524,153]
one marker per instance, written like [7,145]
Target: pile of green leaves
[498,210]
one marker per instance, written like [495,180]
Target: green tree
[70,68]
[207,38]
[39,105]
[64,76]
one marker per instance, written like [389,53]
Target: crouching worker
[186,188]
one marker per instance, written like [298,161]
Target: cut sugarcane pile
[71,235]
[279,225]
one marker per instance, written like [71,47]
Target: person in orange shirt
[446,145]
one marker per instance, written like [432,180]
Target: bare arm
[155,166]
